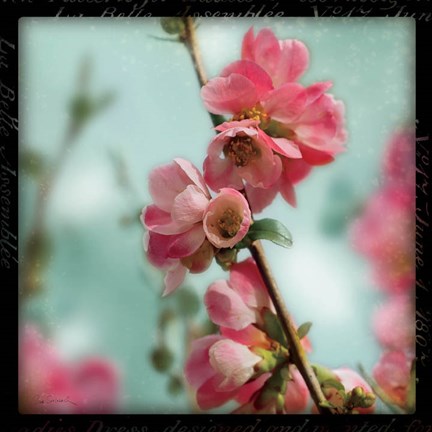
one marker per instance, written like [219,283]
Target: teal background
[100,295]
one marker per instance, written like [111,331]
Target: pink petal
[226,308]
[285,147]
[249,336]
[165,183]
[209,396]
[174,278]
[315,157]
[295,170]
[293,61]
[297,394]
[161,222]
[157,250]
[246,123]
[187,243]
[246,280]
[253,72]
[197,368]
[285,103]
[286,188]
[189,205]
[192,172]
[229,94]
[247,390]
[247,51]
[260,198]
[234,361]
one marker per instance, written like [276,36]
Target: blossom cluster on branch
[276,132]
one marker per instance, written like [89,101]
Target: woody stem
[296,349]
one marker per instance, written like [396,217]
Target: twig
[296,349]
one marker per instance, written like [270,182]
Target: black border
[10,12]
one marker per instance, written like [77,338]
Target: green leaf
[270,229]
[334,384]
[303,330]
[273,327]
[162,359]
[323,374]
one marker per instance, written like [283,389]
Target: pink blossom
[180,199]
[284,60]
[385,234]
[247,156]
[185,225]
[394,323]
[392,374]
[49,385]
[238,302]
[217,368]
[296,115]
[227,218]
[298,121]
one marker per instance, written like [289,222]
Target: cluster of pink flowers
[49,385]
[279,129]
[385,234]
[248,361]
[277,132]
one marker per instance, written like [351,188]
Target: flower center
[229,223]
[240,150]
[255,113]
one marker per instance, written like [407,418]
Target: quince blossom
[185,225]
[49,385]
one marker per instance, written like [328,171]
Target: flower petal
[159,221]
[226,308]
[174,278]
[197,368]
[260,198]
[253,72]
[187,243]
[190,205]
[293,61]
[230,94]
[192,172]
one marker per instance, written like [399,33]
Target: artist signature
[47,399]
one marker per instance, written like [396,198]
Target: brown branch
[296,349]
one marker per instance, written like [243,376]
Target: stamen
[229,223]
[255,113]
[240,150]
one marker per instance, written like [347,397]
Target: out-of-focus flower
[392,374]
[385,234]
[398,164]
[394,324]
[49,385]
[185,225]
[284,60]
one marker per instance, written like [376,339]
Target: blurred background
[102,102]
